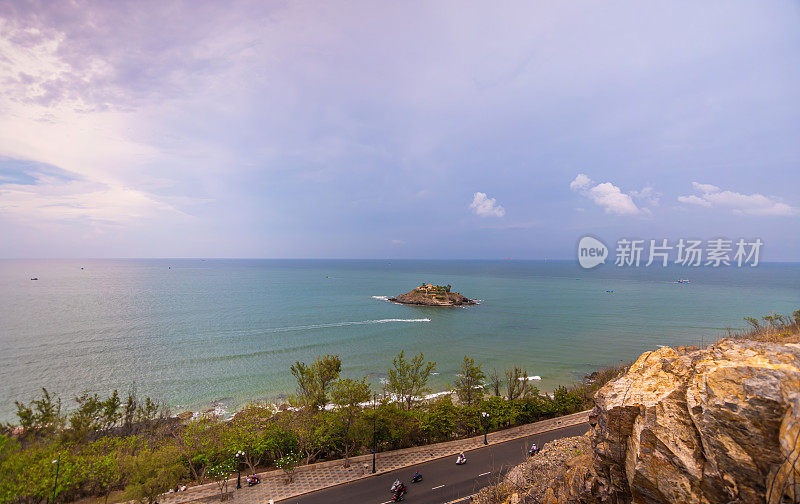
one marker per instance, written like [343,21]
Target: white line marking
[387,502]
[484,474]
[436,488]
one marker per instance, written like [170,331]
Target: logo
[591,252]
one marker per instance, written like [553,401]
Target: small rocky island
[433,295]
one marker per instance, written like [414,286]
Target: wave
[382,298]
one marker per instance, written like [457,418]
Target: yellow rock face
[686,425]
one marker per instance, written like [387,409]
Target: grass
[772,328]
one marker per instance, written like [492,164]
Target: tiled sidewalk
[326,474]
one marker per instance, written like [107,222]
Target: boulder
[689,425]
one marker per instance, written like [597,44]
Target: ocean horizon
[216,333]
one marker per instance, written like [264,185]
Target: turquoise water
[197,333]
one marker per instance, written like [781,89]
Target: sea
[215,334]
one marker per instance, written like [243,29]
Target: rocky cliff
[689,425]
[686,425]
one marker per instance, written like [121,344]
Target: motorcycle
[534,450]
[395,486]
[399,493]
[461,459]
[416,478]
[253,480]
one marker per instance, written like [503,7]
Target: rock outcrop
[433,295]
[689,425]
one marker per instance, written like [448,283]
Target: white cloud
[608,196]
[485,206]
[54,199]
[706,188]
[738,203]
[648,195]
[580,182]
[694,200]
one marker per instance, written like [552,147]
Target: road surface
[443,481]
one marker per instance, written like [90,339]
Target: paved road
[443,480]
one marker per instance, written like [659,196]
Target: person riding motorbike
[399,492]
[534,450]
[461,459]
[416,478]
[395,486]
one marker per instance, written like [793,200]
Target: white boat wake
[342,324]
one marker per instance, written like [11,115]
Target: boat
[34,278]
[682,281]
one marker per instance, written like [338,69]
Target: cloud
[37,192]
[742,204]
[580,182]
[485,206]
[647,195]
[608,196]
[694,200]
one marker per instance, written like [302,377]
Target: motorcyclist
[461,458]
[395,485]
[416,477]
[534,450]
[399,492]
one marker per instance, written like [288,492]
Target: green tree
[41,416]
[438,420]
[313,431]
[221,470]
[152,472]
[754,323]
[494,383]
[314,381]
[516,383]
[86,419]
[566,401]
[104,459]
[408,380]
[246,434]
[348,394]
[288,463]
[198,443]
[29,473]
[470,382]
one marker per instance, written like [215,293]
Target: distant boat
[682,281]
[34,278]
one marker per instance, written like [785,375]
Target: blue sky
[395,129]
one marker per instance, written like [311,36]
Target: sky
[395,129]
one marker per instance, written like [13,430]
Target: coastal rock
[528,480]
[687,425]
[433,295]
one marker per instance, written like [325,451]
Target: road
[443,481]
